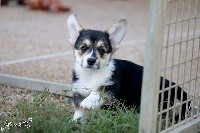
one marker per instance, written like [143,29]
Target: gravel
[9,97]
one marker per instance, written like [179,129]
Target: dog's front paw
[93,101]
[86,104]
[78,114]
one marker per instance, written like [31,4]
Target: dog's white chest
[91,80]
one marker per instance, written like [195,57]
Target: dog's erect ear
[73,27]
[116,33]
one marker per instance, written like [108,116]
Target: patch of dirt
[9,97]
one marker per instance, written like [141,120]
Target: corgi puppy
[97,76]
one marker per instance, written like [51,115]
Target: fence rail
[35,84]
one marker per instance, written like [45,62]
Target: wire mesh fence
[180,64]
[172,63]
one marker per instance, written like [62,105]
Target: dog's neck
[90,78]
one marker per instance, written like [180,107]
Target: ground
[35,43]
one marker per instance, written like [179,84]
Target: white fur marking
[92,79]
[78,114]
[73,27]
[93,101]
[117,32]
[86,57]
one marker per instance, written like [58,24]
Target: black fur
[94,36]
[77,98]
[127,78]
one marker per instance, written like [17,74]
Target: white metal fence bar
[165,61]
[186,41]
[191,126]
[196,76]
[170,82]
[183,20]
[191,64]
[184,75]
[149,101]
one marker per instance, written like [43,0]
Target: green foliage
[51,115]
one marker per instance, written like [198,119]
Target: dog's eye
[84,48]
[101,50]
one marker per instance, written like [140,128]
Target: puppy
[97,75]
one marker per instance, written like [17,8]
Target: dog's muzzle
[91,61]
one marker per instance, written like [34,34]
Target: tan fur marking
[100,43]
[87,42]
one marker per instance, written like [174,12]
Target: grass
[52,114]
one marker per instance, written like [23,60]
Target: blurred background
[34,40]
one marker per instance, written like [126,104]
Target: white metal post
[151,74]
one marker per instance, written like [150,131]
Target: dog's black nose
[91,61]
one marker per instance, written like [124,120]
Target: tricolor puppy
[97,75]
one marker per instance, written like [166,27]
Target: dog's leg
[77,99]
[93,101]
[185,107]
[79,113]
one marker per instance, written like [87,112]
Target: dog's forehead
[93,37]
